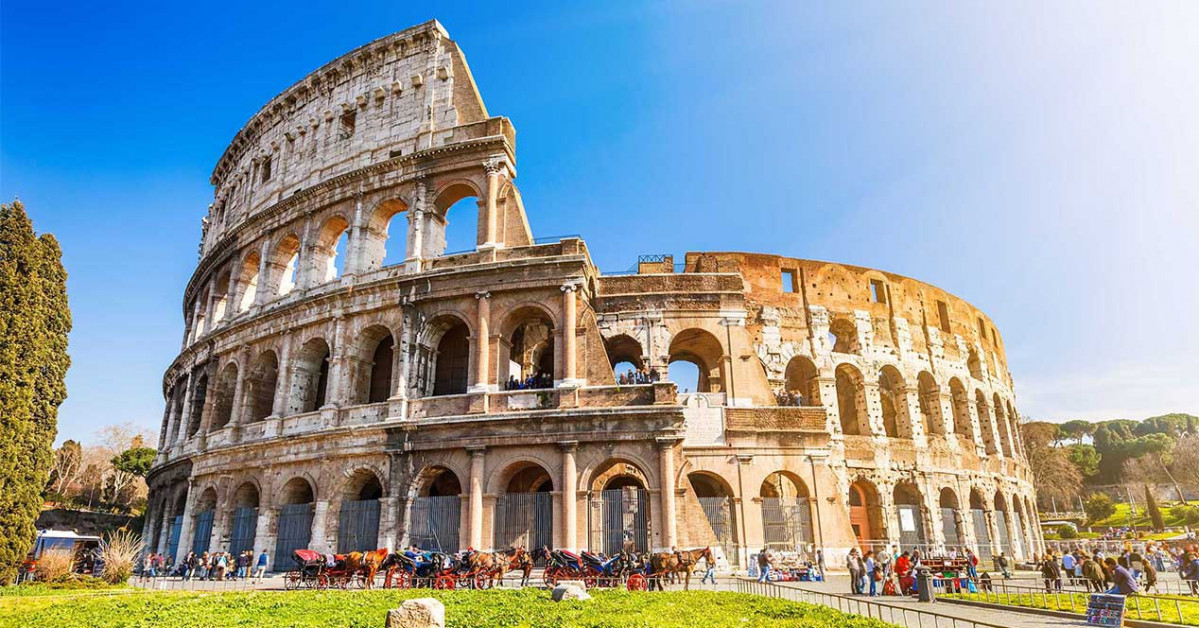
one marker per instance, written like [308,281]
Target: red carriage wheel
[322,581]
[551,576]
[482,581]
[403,580]
[590,581]
[637,582]
[291,581]
[445,582]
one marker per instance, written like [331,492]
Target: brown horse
[488,567]
[520,559]
[369,565]
[680,562]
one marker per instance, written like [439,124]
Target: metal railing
[1143,607]
[891,613]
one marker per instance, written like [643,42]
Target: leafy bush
[1185,513]
[119,552]
[54,565]
[1098,507]
[1066,531]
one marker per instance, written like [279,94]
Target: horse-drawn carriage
[320,571]
[476,570]
[633,571]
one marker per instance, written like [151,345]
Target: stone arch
[962,425]
[986,422]
[220,297]
[528,341]
[444,355]
[843,334]
[325,266]
[1005,428]
[978,521]
[379,234]
[786,512]
[362,483]
[300,489]
[703,349]
[909,510]
[624,351]
[865,512]
[892,392]
[260,385]
[241,516]
[851,401]
[930,403]
[616,473]
[296,499]
[199,396]
[803,377]
[248,280]
[246,495]
[448,197]
[284,265]
[974,365]
[438,481]
[436,509]
[373,364]
[310,377]
[202,519]
[222,405]
[951,525]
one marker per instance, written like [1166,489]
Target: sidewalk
[1013,618]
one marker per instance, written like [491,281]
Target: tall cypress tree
[1155,512]
[34,322]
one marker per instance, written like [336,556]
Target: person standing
[1092,574]
[1125,583]
[870,566]
[763,566]
[854,565]
[1190,571]
[1051,573]
[1068,567]
[971,564]
[1001,562]
[260,571]
[820,563]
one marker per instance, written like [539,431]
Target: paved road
[1012,619]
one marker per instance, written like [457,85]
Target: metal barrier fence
[898,615]
[1144,607]
[176,583]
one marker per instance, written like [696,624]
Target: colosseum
[346,383]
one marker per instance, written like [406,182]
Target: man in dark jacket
[1052,573]
[1125,583]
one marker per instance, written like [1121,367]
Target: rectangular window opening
[943,315]
[878,291]
[982,329]
[266,170]
[348,120]
[790,284]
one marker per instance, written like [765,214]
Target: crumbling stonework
[330,401]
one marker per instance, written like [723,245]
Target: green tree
[34,322]
[1098,507]
[1077,429]
[136,461]
[1085,458]
[1155,513]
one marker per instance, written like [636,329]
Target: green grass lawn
[1185,613]
[1141,518]
[524,607]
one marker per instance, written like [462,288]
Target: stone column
[666,469]
[283,380]
[496,168]
[569,323]
[185,415]
[264,537]
[482,343]
[387,523]
[750,523]
[416,230]
[239,388]
[570,497]
[476,497]
[353,264]
[166,423]
[320,514]
[264,290]
[336,395]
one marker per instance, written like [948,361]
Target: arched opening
[295,521]
[525,510]
[222,406]
[384,239]
[202,521]
[619,508]
[199,396]
[1001,524]
[1018,523]
[1014,420]
[374,360]
[220,299]
[455,223]
[986,422]
[625,356]
[893,398]
[1005,428]
[443,357]
[437,511]
[865,513]
[930,403]
[176,524]
[260,385]
[310,377]
[950,525]
[962,425]
[285,264]
[975,365]
[803,382]
[244,520]
[249,281]
[982,532]
[786,513]
[911,516]
[703,350]
[716,499]
[329,251]
[200,315]
[843,335]
[851,401]
[530,344]
[358,516]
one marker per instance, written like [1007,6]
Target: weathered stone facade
[331,401]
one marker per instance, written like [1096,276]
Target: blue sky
[1040,160]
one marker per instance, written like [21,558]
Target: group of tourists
[533,381]
[639,376]
[1125,572]
[801,564]
[788,398]
[218,566]
[886,572]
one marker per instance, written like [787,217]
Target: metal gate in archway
[1005,537]
[524,520]
[358,526]
[295,531]
[787,523]
[949,527]
[719,511]
[434,521]
[173,536]
[982,534]
[245,527]
[911,526]
[1018,542]
[619,520]
[202,537]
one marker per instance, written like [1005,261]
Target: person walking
[1068,567]
[709,573]
[1001,562]
[1190,571]
[870,567]
[1092,574]
[1051,573]
[1125,583]
[260,571]
[763,566]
